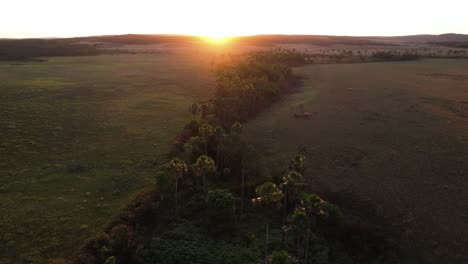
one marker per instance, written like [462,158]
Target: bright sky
[67,18]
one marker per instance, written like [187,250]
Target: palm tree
[203,166]
[219,135]
[194,109]
[193,147]
[163,184]
[206,108]
[297,164]
[291,182]
[268,193]
[300,227]
[248,161]
[180,169]
[206,131]
[236,128]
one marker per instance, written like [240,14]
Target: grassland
[386,141]
[79,136]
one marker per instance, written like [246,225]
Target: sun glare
[217,38]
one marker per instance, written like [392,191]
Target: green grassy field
[79,136]
[386,139]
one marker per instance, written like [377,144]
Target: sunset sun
[217,38]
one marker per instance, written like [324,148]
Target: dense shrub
[280,257]
[220,210]
[96,250]
[186,244]
[121,241]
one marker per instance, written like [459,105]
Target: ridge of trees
[215,200]
[30,49]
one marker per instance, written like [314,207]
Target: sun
[217,38]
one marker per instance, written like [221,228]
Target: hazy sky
[66,18]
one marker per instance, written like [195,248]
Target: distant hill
[21,49]
[254,39]
[451,37]
[140,39]
[137,39]
[285,39]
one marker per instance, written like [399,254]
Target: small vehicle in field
[305,115]
[301,113]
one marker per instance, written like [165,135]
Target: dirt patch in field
[389,137]
[458,108]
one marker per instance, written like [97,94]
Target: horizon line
[233,36]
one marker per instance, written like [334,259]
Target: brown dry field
[389,143]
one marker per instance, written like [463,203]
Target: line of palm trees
[204,164]
[211,144]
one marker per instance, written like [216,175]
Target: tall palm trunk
[284,216]
[242,191]
[219,142]
[204,183]
[217,154]
[285,203]
[299,246]
[266,244]
[176,196]
[306,250]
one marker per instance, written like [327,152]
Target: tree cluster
[246,87]
[28,49]
[394,56]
